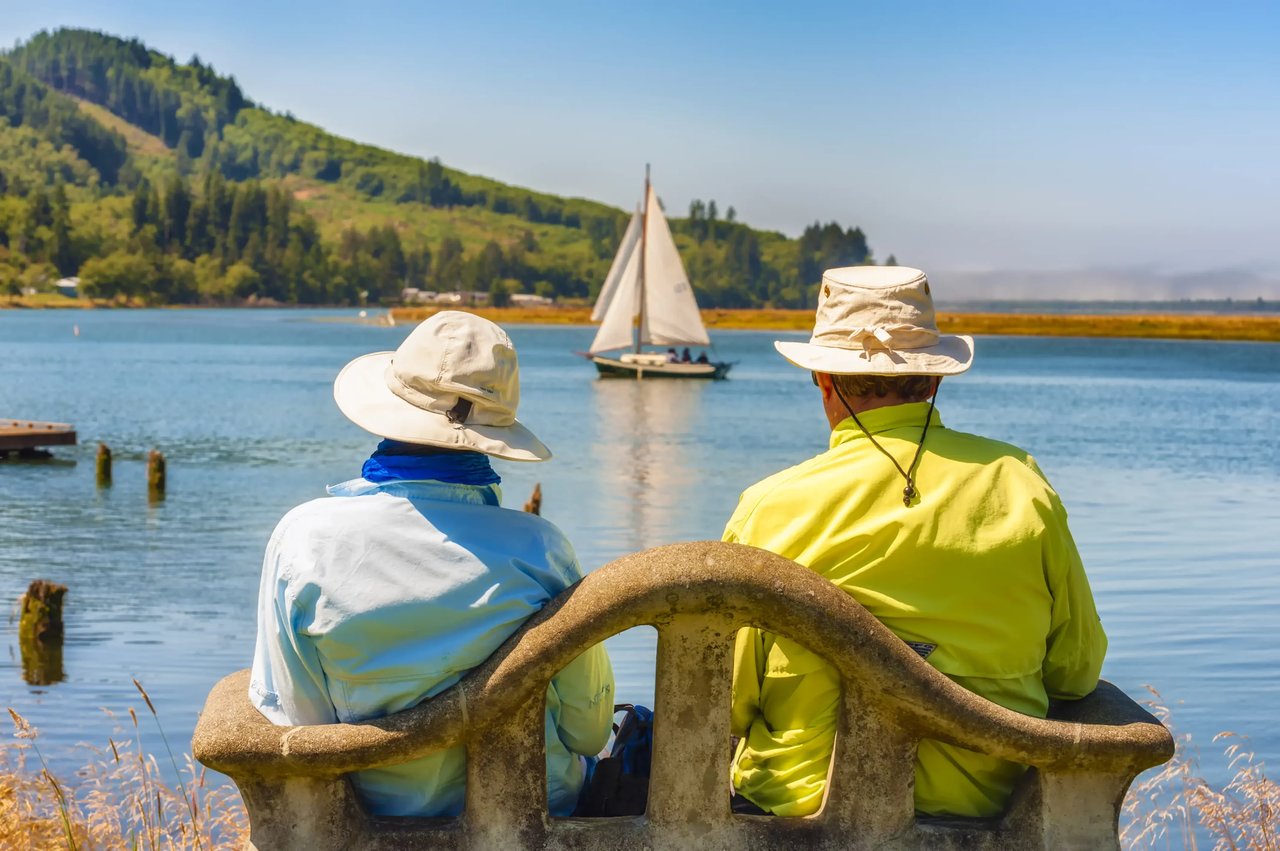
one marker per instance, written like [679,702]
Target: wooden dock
[25,437]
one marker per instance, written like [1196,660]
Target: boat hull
[614,368]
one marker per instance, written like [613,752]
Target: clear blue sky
[961,136]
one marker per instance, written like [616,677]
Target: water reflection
[41,661]
[643,431]
[648,479]
[36,458]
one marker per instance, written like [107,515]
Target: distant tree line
[216,218]
[728,267]
[225,242]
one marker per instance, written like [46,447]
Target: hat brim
[363,397]
[952,355]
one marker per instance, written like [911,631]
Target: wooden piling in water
[103,465]
[41,606]
[156,476]
[534,505]
[40,632]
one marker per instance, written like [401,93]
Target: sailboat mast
[644,236]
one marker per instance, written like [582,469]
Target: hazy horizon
[1124,149]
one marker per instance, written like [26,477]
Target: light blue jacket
[386,594]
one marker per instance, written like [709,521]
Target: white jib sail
[619,313]
[671,315]
[610,288]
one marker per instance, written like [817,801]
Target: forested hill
[162,181]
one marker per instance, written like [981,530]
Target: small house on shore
[410,295]
[531,300]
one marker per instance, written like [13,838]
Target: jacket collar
[888,418]
[422,489]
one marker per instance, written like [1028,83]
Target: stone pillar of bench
[312,813]
[689,781]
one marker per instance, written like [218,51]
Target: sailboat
[646,300]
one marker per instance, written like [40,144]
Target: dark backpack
[619,783]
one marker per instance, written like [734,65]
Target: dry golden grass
[138,140]
[46,300]
[1163,809]
[503,315]
[1171,326]
[120,801]
[1178,327]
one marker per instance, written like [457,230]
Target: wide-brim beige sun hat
[454,383]
[878,320]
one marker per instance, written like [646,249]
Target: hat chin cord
[909,492]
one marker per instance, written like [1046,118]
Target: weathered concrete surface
[697,596]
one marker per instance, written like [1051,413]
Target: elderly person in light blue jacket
[388,591]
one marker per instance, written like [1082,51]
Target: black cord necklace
[909,492]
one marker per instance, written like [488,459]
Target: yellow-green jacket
[980,574]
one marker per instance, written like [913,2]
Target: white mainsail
[670,316]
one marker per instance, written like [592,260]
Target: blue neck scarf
[395,461]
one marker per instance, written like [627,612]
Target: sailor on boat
[646,300]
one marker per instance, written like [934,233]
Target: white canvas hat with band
[453,383]
[878,320]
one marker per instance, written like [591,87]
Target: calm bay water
[1165,454]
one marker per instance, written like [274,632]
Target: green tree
[140,206]
[211,284]
[175,282]
[61,251]
[119,275]
[448,264]
[176,210]
[242,280]
[500,291]
[10,280]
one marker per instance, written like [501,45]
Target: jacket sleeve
[748,671]
[287,684]
[1076,643]
[748,654]
[585,686]
[585,689]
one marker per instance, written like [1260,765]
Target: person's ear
[826,386]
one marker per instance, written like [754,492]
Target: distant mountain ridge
[122,164]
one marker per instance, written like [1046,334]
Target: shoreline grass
[1265,329]
[119,802]
[1163,326]
[1164,806]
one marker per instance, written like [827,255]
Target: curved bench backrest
[697,596]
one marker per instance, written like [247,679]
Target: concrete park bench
[697,596]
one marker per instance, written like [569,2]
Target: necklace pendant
[908,494]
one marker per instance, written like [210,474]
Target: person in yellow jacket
[955,542]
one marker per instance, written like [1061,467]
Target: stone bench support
[697,596]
